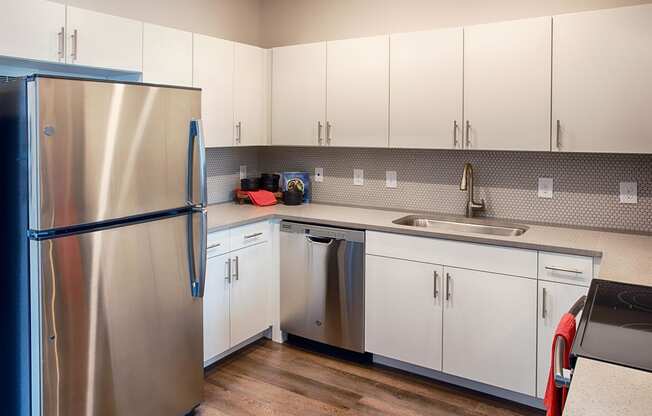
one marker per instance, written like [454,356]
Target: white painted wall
[286,22]
[237,20]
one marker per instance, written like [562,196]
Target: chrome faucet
[467,185]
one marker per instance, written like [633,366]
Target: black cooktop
[616,325]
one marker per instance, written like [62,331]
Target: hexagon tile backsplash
[586,186]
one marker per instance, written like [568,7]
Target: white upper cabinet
[167,56]
[299,94]
[103,41]
[602,88]
[426,89]
[33,29]
[213,73]
[507,73]
[250,95]
[358,92]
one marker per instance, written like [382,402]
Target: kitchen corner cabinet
[167,56]
[490,328]
[213,73]
[249,96]
[33,29]
[103,41]
[602,89]
[555,299]
[426,76]
[507,70]
[403,310]
[299,95]
[358,92]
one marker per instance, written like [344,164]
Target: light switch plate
[390,179]
[358,177]
[243,171]
[628,193]
[319,174]
[545,187]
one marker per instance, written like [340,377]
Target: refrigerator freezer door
[121,332]
[103,150]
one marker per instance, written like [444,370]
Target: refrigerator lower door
[120,329]
[101,151]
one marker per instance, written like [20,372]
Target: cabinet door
[403,310]
[602,89]
[358,92]
[33,29]
[555,299]
[507,85]
[104,41]
[167,56]
[249,96]
[213,73]
[250,281]
[216,308]
[426,89]
[299,94]
[490,332]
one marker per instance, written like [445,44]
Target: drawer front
[496,259]
[218,243]
[565,268]
[251,234]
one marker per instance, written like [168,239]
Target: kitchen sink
[463,225]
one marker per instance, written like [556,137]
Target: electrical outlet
[390,179]
[319,174]
[545,187]
[243,171]
[628,193]
[358,177]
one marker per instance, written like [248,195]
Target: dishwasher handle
[327,241]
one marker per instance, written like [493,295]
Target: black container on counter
[249,184]
[292,197]
[269,182]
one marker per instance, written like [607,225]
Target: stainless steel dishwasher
[322,284]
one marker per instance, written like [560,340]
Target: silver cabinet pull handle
[214,245]
[455,127]
[320,139]
[448,286]
[62,42]
[468,133]
[543,304]
[561,269]
[558,135]
[246,237]
[329,129]
[74,37]
[238,132]
[434,278]
[228,271]
[237,268]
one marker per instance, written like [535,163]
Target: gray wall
[286,22]
[586,185]
[237,20]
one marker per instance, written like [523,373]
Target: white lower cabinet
[490,328]
[555,299]
[403,310]
[236,295]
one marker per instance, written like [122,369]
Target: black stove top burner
[616,325]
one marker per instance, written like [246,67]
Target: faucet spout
[467,185]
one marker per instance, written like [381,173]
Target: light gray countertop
[597,388]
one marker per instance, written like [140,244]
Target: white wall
[286,22]
[237,20]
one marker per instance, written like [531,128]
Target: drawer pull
[214,245]
[246,237]
[561,269]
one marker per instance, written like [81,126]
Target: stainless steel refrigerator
[108,190]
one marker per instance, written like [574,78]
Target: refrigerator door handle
[198,274]
[196,136]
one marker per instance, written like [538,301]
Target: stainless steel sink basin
[463,225]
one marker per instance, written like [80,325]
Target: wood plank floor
[273,379]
